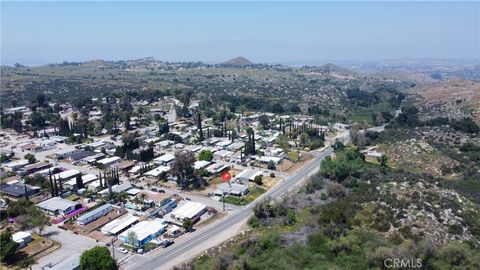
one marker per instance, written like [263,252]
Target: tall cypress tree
[52,188]
[79,181]
[56,186]
[61,185]
[26,191]
[199,126]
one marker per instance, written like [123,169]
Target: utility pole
[223,199]
[113,249]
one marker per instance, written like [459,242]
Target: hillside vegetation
[367,214]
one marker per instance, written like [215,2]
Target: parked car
[167,243]
[122,250]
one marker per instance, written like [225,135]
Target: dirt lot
[97,235]
[38,245]
[268,181]
[288,166]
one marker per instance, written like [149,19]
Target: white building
[222,154]
[200,164]
[57,206]
[164,159]
[145,231]
[165,143]
[94,214]
[67,174]
[267,159]
[22,238]
[15,165]
[193,148]
[118,225]
[217,168]
[190,210]
[157,171]
[86,179]
[248,175]
[231,189]
[109,161]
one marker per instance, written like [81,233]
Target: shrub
[315,182]
[205,155]
[254,222]
[271,165]
[335,191]
[258,180]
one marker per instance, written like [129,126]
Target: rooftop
[94,212]
[188,210]
[56,203]
[18,189]
[146,228]
[164,158]
[157,171]
[117,225]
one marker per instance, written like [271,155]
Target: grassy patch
[254,193]
[293,156]
[235,200]
[73,197]
[361,117]
[149,246]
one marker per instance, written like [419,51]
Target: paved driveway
[71,244]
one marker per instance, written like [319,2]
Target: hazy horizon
[36,33]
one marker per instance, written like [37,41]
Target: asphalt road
[165,259]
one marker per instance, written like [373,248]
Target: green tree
[9,247]
[188,225]
[37,218]
[264,121]
[36,120]
[17,125]
[18,207]
[31,158]
[271,165]
[258,180]
[3,158]
[408,116]
[41,100]
[79,181]
[97,258]
[382,160]
[303,139]
[205,155]
[182,168]
[132,238]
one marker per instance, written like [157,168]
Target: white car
[122,250]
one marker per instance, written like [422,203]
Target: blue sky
[45,32]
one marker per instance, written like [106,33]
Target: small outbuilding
[22,238]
